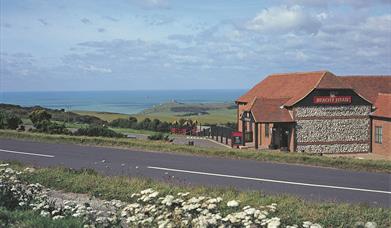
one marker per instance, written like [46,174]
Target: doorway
[281,136]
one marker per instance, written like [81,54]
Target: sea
[128,102]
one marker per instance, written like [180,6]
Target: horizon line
[122,90]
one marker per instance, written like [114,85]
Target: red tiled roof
[266,98]
[294,86]
[278,86]
[369,86]
[383,105]
[270,110]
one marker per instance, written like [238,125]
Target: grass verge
[291,210]
[29,218]
[296,158]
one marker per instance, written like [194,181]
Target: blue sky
[203,44]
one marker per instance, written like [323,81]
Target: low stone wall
[322,111]
[334,148]
[332,130]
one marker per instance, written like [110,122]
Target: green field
[132,131]
[214,113]
[107,116]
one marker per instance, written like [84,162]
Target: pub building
[317,112]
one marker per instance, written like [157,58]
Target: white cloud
[152,4]
[92,68]
[378,23]
[285,19]
[328,3]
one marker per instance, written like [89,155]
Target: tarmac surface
[313,183]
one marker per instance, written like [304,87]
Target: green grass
[214,117]
[271,156]
[219,113]
[133,131]
[107,116]
[291,209]
[29,218]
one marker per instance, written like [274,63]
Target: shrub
[124,123]
[13,121]
[9,121]
[163,127]
[146,124]
[3,120]
[95,130]
[51,128]
[159,136]
[38,116]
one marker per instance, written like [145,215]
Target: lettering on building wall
[332,100]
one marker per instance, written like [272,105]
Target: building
[318,112]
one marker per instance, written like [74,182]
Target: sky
[68,45]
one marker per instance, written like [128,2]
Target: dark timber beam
[256,135]
[243,132]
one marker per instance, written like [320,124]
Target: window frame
[379,134]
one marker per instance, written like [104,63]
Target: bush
[163,127]
[159,136]
[124,123]
[38,116]
[146,124]
[13,121]
[51,128]
[42,123]
[96,130]
[9,121]
[3,120]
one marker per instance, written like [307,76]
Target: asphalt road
[184,140]
[314,183]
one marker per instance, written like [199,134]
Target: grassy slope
[133,131]
[107,116]
[298,158]
[290,209]
[218,113]
[214,117]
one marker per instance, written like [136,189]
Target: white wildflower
[307,224]
[44,213]
[168,200]
[233,203]
[274,223]
[57,217]
[370,225]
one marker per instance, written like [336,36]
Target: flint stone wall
[332,130]
[336,135]
[351,110]
[334,148]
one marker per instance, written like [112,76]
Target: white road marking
[270,180]
[26,153]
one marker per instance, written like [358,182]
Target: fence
[221,134]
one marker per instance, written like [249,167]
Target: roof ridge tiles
[298,72]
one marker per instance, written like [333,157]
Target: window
[267,130]
[378,135]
